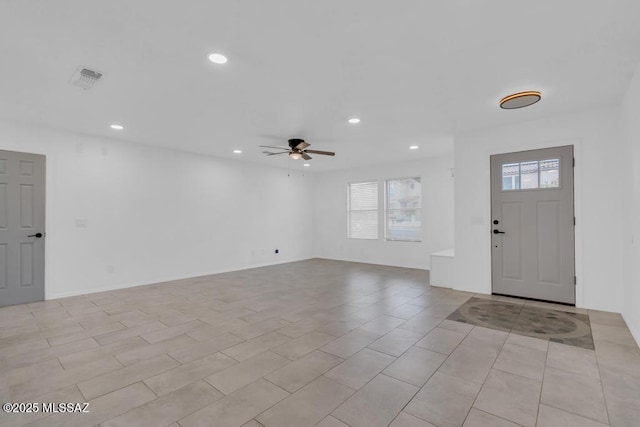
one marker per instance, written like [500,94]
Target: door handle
[498,232]
[37,235]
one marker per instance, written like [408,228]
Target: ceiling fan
[297,149]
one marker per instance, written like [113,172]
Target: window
[550,173]
[363,210]
[403,210]
[531,175]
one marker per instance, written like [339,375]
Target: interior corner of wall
[633,327]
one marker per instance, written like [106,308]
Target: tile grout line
[430,376]
[485,379]
[315,294]
[604,395]
[574,413]
[544,374]
[412,396]
[286,397]
[496,416]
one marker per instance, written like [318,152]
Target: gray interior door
[532,229]
[22,204]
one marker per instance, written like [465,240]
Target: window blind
[363,210]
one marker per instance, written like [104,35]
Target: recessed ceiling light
[307,165]
[237,151]
[413,147]
[117,127]
[520,100]
[217,58]
[354,120]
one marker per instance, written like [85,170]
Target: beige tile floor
[316,342]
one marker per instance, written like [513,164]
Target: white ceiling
[414,71]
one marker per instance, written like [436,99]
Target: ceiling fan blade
[278,148]
[306,156]
[324,153]
[302,146]
[274,154]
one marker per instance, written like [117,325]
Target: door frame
[577,204]
[572,165]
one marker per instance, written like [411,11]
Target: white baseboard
[599,308]
[164,279]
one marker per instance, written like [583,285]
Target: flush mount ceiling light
[413,147]
[217,58]
[237,151]
[117,127]
[520,100]
[306,165]
[354,120]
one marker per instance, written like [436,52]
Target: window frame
[519,175]
[386,209]
[376,210]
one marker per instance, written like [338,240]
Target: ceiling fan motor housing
[293,143]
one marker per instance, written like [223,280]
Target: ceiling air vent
[85,78]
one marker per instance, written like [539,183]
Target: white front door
[533,224]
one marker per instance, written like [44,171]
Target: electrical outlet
[277,251]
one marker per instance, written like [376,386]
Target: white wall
[330,214]
[599,199]
[631,135]
[155,214]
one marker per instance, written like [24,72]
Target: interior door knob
[498,232]
[37,235]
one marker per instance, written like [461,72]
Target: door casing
[564,200]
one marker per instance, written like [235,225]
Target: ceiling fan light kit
[297,150]
[520,100]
